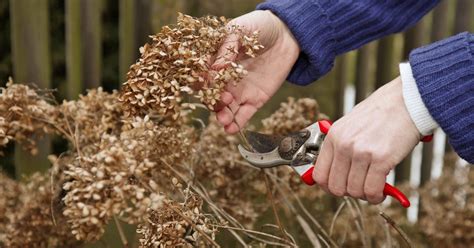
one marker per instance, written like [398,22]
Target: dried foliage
[21,111]
[293,115]
[447,214]
[29,216]
[178,63]
[175,224]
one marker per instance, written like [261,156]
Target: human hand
[362,147]
[266,72]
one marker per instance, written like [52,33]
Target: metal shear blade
[262,143]
[263,160]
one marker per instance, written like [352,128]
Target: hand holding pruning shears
[359,150]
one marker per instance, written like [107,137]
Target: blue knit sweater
[444,71]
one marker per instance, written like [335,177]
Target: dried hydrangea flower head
[122,177]
[177,63]
[293,115]
[23,114]
[30,219]
[176,224]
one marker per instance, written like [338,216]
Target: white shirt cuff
[414,104]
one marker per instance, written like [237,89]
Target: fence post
[73,49]
[128,50]
[31,64]
[413,38]
[364,74]
[342,78]
[386,61]
[91,13]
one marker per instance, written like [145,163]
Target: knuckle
[381,168]
[355,192]
[320,180]
[371,192]
[337,191]
[362,154]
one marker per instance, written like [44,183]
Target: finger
[357,174]
[234,106]
[374,183]
[225,117]
[323,164]
[227,52]
[339,171]
[226,99]
[242,116]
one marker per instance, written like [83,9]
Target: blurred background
[73,45]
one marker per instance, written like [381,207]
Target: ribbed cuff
[444,74]
[310,25]
[414,104]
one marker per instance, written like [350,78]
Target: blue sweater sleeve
[444,74]
[327,28]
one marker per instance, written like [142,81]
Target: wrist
[419,114]
[286,42]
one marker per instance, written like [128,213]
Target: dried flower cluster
[121,177]
[293,115]
[174,224]
[29,216]
[230,181]
[447,214]
[178,63]
[124,167]
[21,113]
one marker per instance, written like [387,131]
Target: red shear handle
[389,190]
[397,194]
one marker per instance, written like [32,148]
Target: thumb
[228,52]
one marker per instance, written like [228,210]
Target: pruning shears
[299,150]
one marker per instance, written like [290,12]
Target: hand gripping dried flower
[177,63]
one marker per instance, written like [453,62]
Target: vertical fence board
[143,21]
[31,64]
[127,45]
[73,49]
[413,38]
[464,14]
[386,63]
[364,72]
[342,78]
[91,11]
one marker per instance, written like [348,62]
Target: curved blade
[262,143]
[263,160]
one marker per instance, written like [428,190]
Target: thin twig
[272,201]
[123,238]
[308,231]
[254,232]
[221,213]
[356,221]
[364,237]
[339,209]
[397,228]
[305,211]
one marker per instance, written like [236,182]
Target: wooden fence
[31,47]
